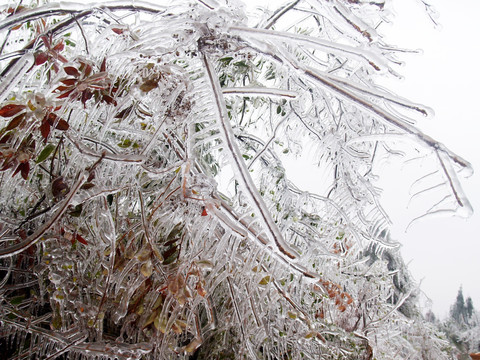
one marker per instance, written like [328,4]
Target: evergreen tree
[458,311]
[469,307]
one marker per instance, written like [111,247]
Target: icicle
[309,41]
[268,92]
[240,168]
[15,75]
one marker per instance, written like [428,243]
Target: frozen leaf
[45,130]
[15,122]
[11,110]
[81,239]
[72,71]
[76,211]
[265,280]
[147,268]
[148,85]
[40,58]
[59,188]
[45,153]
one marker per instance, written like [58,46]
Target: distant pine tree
[469,307]
[458,310]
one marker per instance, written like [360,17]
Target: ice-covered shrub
[145,208]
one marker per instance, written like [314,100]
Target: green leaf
[125,143]
[47,150]
[77,211]
[226,60]
[17,300]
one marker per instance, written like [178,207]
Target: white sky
[444,252]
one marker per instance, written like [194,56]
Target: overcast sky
[443,253]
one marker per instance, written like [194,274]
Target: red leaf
[103,67]
[69,82]
[81,239]
[40,58]
[45,129]
[65,94]
[109,100]
[59,123]
[11,109]
[62,58]
[51,118]
[46,41]
[118,31]
[204,211]
[88,69]
[15,122]
[59,46]
[87,94]
[70,70]
[62,88]
[24,169]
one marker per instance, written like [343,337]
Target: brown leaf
[11,109]
[22,233]
[51,118]
[87,186]
[70,70]
[62,125]
[15,122]
[59,123]
[149,85]
[15,10]
[5,138]
[124,113]
[25,170]
[59,188]
[118,31]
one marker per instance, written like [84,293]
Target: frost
[147,208]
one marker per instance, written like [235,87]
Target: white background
[443,253]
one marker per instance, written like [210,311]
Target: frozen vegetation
[146,211]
